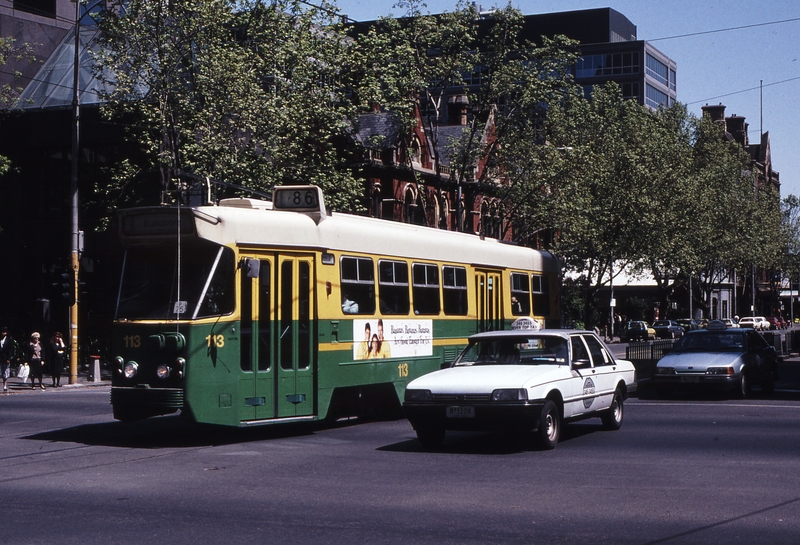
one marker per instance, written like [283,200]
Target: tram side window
[358,285]
[541,295]
[393,287]
[454,282]
[520,295]
[425,287]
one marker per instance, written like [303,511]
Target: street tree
[606,201]
[246,91]
[735,223]
[790,233]
[501,81]
[11,51]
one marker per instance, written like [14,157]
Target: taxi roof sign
[716,325]
[526,324]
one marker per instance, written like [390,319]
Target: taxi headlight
[665,371]
[418,395]
[516,394]
[162,371]
[720,371]
[130,369]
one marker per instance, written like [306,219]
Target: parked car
[773,322]
[756,322]
[521,381]
[730,323]
[688,324]
[636,330]
[718,357]
[778,322]
[667,329]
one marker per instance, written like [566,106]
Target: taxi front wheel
[549,425]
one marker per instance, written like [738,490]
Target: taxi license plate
[460,412]
[690,380]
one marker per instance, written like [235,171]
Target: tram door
[257,383]
[487,290]
[294,394]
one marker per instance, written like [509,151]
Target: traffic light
[63,285]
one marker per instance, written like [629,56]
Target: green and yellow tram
[253,312]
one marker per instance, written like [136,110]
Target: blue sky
[745,69]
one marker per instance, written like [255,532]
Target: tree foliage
[422,60]
[246,91]
[10,51]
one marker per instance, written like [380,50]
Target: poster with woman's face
[379,338]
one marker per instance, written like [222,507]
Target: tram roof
[254,224]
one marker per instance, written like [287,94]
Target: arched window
[494,220]
[485,220]
[376,208]
[435,210]
[413,206]
[444,214]
[416,152]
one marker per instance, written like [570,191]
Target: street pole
[74,231]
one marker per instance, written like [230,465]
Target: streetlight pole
[74,230]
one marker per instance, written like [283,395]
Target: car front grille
[454,398]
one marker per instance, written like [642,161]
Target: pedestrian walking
[34,355]
[6,355]
[56,358]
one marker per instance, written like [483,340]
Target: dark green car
[636,330]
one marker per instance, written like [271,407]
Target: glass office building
[611,52]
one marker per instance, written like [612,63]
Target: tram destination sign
[156,222]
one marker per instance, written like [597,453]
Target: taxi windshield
[527,350]
[711,341]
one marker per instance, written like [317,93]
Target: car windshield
[528,350]
[711,341]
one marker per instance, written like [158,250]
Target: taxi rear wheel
[612,418]
[549,425]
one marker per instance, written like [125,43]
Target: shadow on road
[167,432]
[494,444]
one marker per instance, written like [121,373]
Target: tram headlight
[130,369]
[162,371]
[119,363]
[178,366]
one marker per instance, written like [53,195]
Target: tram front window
[152,288]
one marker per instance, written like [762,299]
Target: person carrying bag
[35,358]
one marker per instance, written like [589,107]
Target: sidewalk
[85,380]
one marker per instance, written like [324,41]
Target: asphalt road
[685,471]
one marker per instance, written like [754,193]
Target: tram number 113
[402,370]
[216,340]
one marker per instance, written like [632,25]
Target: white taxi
[521,381]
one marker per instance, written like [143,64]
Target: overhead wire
[727,29]
[724,29]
